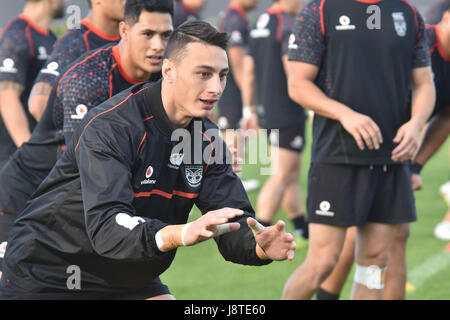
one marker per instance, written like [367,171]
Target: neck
[127,66]
[444,39]
[173,111]
[39,13]
[237,3]
[105,25]
[189,6]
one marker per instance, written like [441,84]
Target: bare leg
[335,282]
[325,245]
[373,242]
[396,267]
[281,186]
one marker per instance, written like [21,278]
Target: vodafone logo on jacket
[148,174]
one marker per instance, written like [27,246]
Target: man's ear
[168,70]
[124,30]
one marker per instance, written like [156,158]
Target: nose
[157,44]
[215,85]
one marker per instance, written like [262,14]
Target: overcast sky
[11,8]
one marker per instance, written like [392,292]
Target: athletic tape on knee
[369,276]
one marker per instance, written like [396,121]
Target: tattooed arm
[12,112]
[38,99]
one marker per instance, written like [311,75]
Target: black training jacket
[120,180]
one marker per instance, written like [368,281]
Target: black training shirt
[269,42]
[366,68]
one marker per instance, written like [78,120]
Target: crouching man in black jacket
[115,206]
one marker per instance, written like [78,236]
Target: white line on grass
[433,265]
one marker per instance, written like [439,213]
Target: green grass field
[200,272]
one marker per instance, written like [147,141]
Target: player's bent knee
[402,233]
[321,270]
[371,277]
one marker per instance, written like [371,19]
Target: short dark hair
[89,3]
[134,8]
[194,31]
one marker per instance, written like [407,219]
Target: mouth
[208,104]
[156,60]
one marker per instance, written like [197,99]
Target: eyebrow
[155,31]
[209,68]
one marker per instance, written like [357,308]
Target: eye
[166,35]
[204,75]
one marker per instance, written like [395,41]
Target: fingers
[406,149]
[256,227]
[226,227]
[416,182]
[365,132]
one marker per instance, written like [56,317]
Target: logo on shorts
[3,249]
[8,66]
[400,23]
[345,24]
[51,68]
[325,207]
[81,110]
[297,143]
[148,174]
[194,175]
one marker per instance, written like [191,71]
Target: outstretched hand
[274,241]
[210,225]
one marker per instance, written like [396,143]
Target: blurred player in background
[235,23]
[187,10]
[100,27]
[439,125]
[434,15]
[25,44]
[266,69]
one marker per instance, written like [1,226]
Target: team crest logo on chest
[400,24]
[194,175]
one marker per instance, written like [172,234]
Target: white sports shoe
[250,185]
[445,192]
[442,231]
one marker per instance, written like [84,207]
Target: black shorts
[353,195]
[291,138]
[8,291]
[230,116]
